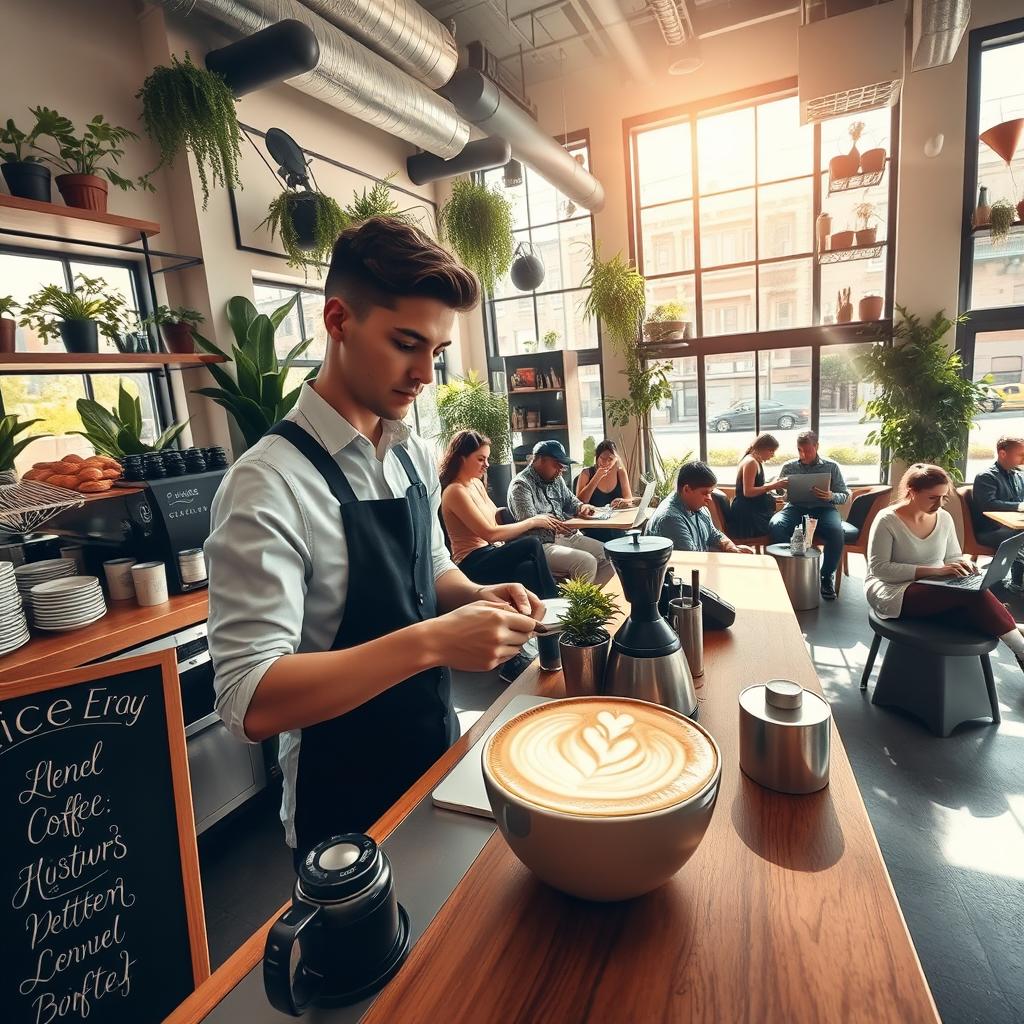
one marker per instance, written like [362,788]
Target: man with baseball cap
[540,489]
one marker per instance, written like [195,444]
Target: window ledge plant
[117,432]
[76,316]
[7,323]
[25,173]
[176,325]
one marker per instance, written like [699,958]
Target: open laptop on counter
[607,512]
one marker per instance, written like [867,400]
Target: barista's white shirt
[277,557]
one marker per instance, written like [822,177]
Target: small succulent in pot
[176,325]
[585,640]
[7,323]
[76,316]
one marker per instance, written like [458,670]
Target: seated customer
[481,548]
[830,522]
[606,482]
[915,539]
[540,490]
[753,506]
[684,518]
[1000,488]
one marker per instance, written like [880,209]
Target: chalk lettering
[68,823]
[46,779]
[100,704]
[42,877]
[77,910]
[50,963]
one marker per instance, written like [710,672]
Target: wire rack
[26,505]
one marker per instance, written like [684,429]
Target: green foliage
[377,201]
[589,450]
[838,368]
[925,405]
[47,308]
[10,448]
[22,142]
[328,222]
[87,153]
[8,305]
[667,311]
[477,223]
[255,396]
[1001,219]
[469,404]
[188,107]
[550,339]
[165,315]
[853,455]
[118,432]
[617,295]
[668,472]
[590,609]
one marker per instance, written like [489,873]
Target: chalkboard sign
[101,916]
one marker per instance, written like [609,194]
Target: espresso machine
[646,660]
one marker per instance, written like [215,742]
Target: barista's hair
[695,474]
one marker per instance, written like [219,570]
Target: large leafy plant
[469,404]
[22,143]
[617,294]
[924,402]
[117,432]
[476,222]
[376,201]
[89,299]
[589,611]
[10,447]
[255,396]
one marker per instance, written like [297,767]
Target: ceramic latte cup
[604,798]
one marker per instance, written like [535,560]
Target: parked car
[991,400]
[741,415]
[1011,396]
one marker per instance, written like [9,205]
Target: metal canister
[784,736]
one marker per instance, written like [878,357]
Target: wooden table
[620,520]
[785,912]
[1014,520]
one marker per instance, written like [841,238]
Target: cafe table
[1014,520]
[621,519]
[785,913]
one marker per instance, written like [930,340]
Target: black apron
[354,767]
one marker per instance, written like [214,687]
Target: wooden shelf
[533,391]
[856,252]
[535,430]
[985,229]
[85,225]
[103,362]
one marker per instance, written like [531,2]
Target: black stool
[915,675]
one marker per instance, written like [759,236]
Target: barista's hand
[478,637]
[516,596]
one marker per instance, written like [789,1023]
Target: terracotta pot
[872,161]
[7,329]
[83,191]
[844,313]
[844,166]
[178,338]
[870,307]
[866,236]
[842,240]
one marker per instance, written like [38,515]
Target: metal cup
[687,619]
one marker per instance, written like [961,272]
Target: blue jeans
[829,530]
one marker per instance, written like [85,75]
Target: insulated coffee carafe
[646,660]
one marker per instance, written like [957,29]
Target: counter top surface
[1014,520]
[785,912]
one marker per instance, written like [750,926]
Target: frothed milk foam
[601,756]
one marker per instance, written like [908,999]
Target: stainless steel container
[688,620]
[665,680]
[583,668]
[801,575]
[784,736]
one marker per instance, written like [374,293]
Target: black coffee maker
[352,932]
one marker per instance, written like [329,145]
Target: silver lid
[761,701]
[783,693]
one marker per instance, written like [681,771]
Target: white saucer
[66,628]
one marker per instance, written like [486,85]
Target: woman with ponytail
[754,504]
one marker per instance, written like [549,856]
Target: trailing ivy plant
[617,295]
[469,404]
[925,405]
[1001,219]
[117,432]
[328,222]
[476,223]
[187,107]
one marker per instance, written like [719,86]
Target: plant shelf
[532,391]
[857,252]
[535,430]
[103,362]
[856,181]
[86,225]
[985,229]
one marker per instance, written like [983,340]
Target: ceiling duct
[479,100]
[670,20]
[481,155]
[400,31]
[348,76]
[939,25]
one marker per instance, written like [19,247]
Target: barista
[335,609]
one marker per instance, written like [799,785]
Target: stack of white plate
[33,573]
[68,603]
[13,627]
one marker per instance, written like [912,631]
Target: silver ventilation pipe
[939,25]
[348,76]
[666,14]
[479,100]
[399,30]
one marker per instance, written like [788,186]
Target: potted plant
[10,448]
[469,404]
[83,159]
[666,323]
[617,295]
[308,222]
[844,307]
[1001,219]
[584,641]
[872,160]
[77,316]
[476,222]
[550,339]
[187,107]
[925,404]
[255,397]
[117,432]
[870,307]
[847,165]
[175,326]
[25,173]
[1020,211]
[856,130]
[865,234]
[7,324]
[841,240]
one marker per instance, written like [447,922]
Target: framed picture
[524,379]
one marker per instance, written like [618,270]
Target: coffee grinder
[646,660]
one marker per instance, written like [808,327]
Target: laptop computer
[607,512]
[801,487]
[994,573]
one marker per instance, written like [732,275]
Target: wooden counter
[785,912]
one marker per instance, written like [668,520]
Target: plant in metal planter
[78,316]
[617,296]
[585,640]
[476,223]
[255,397]
[187,107]
[25,173]
[10,446]
[176,326]
[117,432]
[308,222]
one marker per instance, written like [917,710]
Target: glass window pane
[679,290]
[667,238]
[727,228]
[51,399]
[105,389]
[784,293]
[119,280]
[841,397]
[20,277]
[785,148]
[731,420]
[514,326]
[591,409]
[725,151]
[546,202]
[565,250]
[862,277]
[784,396]
[858,208]
[998,272]
[562,313]
[675,423]
[728,301]
[1002,98]
[785,219]
[267,298]
[836,138]
[425,420]
[313,323]
[998,355]
[665,166]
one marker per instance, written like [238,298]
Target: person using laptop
[1000,488]
[915,540]
[605,485]
[819,503]
[684,517]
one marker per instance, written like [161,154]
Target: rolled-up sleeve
[259,559]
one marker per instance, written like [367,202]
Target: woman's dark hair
[696,474]
[920,477]
[464,443]
[763,442]
[605,446]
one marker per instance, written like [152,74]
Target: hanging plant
[476,223]
[617,295]
[1001,219]
[188,107]
[309,223]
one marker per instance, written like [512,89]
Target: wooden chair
[972,546]
[720,517]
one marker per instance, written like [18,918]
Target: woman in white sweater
[915,539]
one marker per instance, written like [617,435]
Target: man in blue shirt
[830,522]
[1000,488]
[684,517]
